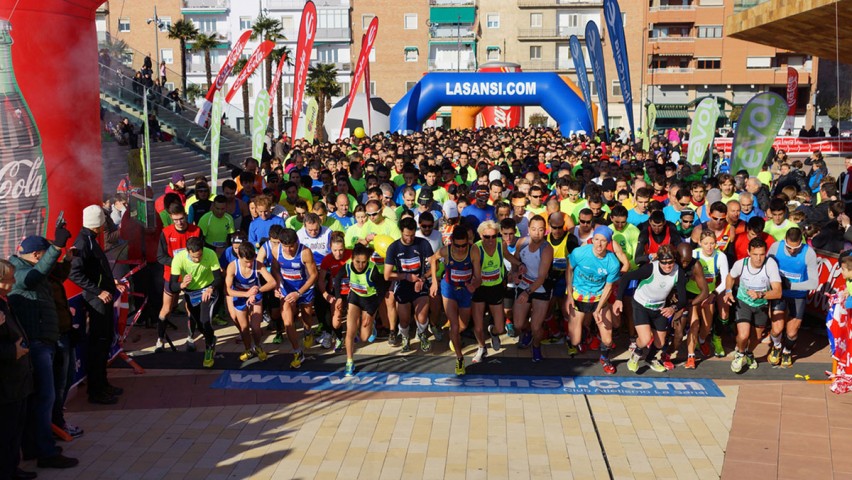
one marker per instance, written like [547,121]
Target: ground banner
[792,96]
[304,45]
[254,61]
[615,25]
[259,124]
[593,45]
[582,75]
[215,138]
[360,67]
[795,145]
[703,129]
[652,124]
[758,126]
[219,81]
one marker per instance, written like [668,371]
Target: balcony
[537,66]
[559,33]
[559,3]
[223,37]
[448,31]
[300,4]
[205,6]
[671,39]
[669,8]
[442,66]
[452,3]
[672,14]
[333,35]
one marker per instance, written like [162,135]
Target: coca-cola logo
[310,23]
[829,273]
[792,86]
[21,179]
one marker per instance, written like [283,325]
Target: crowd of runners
[582,241]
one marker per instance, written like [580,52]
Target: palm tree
[238,67]
[115,47]
[204,43]
[267,28]
[184,31]
[322,85]
[278,55]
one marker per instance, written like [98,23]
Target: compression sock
[776,341]
[789,343]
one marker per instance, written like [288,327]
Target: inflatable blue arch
[436,90]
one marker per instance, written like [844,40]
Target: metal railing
[211,4]
[740,5]
[671,70]
[451,3]
[537,66]
[671,39]
[558,32]
[333,34]
[559,3]
[452,66]
[669,8]
[452,32]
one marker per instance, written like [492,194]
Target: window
[344,89]
[169,86]
[492,20]
[758,62]
[535,52]
[365,20]
[287,27]
[334,19]
[245,23]
[123,24]
[206,25]
[658,63]
[710,31]
[712,3]
[708,64]
[616,88]
[536,20]
[411,54]
[165,23]
[372,57]
[492,53]
[372,89]
[409,85]
[410,21]
[167,56]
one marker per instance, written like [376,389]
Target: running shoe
[495,339]
[656,366]
[338,344]
[190,344]
[73,430]
[460,366]
[349,370]
[298,358]
[309,339]
[266,318]
[261,354]
[705,349]
[573,350]
[594,343]
[632,346]
[394,340]
[208,358]
[536,354]
[279,339]
[480,354]
[690,362]
[554,340]
[633,363]
[752,362]
[372,337]
[325,340]
[159,346]
[247,355]
[405,341]
[786,360]
[526,340]
[608,367]
[774,357]
[718,349]
[425,344]
[510,330]
[438,332]
[666,361]
[738,362]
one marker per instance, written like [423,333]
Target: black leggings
[200,317]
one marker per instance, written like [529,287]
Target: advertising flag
[363,60]
[652,125]
[369,102]
[277,77]
[615,25]
[304,45]
[215,137]
[582,75]
[593,45]
[224,73]
[254,61]
[147,140]
[702,130]
[311,120]
[259,124]
[792,96]
[758,126]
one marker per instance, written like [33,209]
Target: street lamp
[158,24]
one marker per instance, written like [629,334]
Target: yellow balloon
[359,133]
[381,244]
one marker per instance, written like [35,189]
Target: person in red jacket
[172,240]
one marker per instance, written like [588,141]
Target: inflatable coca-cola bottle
[23,182]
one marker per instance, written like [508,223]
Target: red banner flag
[221,77]
[360,68]
[367,94]
[254,61]
[277,77]
[304,45]
[792,89]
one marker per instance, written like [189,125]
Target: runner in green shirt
[217,225]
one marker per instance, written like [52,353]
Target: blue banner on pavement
[593,45]
[615,25]
[433,382]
